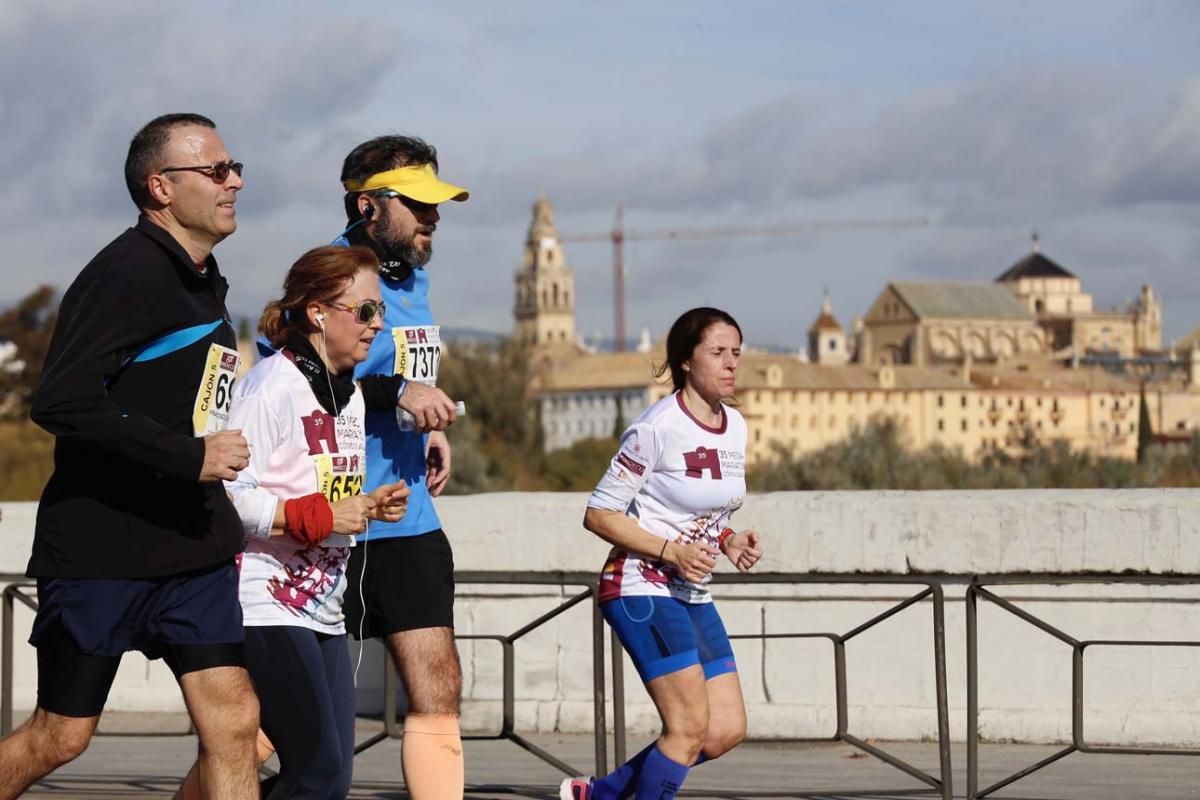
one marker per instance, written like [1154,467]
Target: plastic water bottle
[408,422]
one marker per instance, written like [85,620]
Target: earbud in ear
[320,320]
[368,211]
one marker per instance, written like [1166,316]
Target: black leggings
[306,691]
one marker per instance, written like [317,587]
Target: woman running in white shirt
[665,504]
[301,502]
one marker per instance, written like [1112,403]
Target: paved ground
[143,767]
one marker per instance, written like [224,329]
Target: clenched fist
[350,514]
[693,560]
[226,453]
[432,408]
[391,501]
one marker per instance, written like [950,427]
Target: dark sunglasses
[365,312]
[415,206]
[218,172]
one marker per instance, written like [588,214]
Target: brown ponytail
[318,276]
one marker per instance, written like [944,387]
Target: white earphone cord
[362,603]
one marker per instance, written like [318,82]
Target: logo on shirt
[630,464]
[700,460]
[718,463]
[319,429]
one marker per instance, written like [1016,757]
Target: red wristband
[308,519]
[725,534]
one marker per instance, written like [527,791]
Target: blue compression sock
[620,782]
[660,777]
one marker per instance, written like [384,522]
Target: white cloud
[597,112]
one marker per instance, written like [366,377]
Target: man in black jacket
[136,538]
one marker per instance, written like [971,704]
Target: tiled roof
[946,299]
[825,322]
[601,371]
[796,374]
[1034,265]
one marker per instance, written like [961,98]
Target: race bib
[338,477]
[210,414]
[418,352]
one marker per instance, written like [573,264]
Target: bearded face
[401,233]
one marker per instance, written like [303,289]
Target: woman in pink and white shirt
[665,505]
[301,502]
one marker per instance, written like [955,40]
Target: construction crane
[618,236]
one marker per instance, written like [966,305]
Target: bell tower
[545,286]
[827,338]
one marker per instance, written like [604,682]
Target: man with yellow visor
[405,568]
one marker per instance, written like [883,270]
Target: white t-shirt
[296,449]
[680,480]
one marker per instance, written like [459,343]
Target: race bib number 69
[214,398]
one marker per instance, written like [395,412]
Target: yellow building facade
[799,407]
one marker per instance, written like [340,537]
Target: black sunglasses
[218,172]
[415,206]
[365,312]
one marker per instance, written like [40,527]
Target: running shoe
[575,789]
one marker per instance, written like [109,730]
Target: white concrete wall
[1132,695]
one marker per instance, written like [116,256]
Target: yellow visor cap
[418,182]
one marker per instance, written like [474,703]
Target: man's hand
[437,463]
[226,453]
[693,560]
[391,501]
[432,409]
[744,550]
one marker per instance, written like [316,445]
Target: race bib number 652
[338,477]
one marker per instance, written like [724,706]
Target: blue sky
[1079,119]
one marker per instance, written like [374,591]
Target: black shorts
[193,621]
[408,585]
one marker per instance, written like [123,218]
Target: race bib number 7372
[418,352]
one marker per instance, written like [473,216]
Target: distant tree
[1145,433]
[876,457]
[471,470]
[579,467]
[619,421]
[504,430]
[28,325]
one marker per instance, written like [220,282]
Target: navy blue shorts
[664,635]
[84,625]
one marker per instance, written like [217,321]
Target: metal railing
[1079,743]
[941,783]
[393,729]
